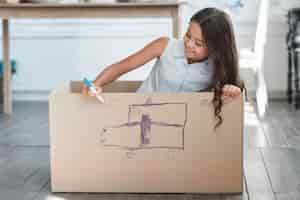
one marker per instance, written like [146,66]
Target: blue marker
[90,86]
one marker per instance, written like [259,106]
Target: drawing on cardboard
[150,125]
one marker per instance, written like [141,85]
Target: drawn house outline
[146,123]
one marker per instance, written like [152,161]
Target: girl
[206,59]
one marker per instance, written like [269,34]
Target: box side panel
[96,148]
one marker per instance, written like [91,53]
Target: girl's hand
[87,92]
[230,91]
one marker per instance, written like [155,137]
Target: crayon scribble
[146,124]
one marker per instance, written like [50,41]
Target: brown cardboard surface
[143,142]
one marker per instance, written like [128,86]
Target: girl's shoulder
[170,46]
[173,48]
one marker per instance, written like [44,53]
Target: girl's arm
[152,50]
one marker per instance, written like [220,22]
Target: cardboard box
[144,142]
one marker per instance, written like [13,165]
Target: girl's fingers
[84,90]
[226,90]
[231,91]
[225,98]
[238,91]
[91,94]
[98,89]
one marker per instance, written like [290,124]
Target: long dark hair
[217,30]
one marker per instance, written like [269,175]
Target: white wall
[50,52]
[276,50]
[275,62]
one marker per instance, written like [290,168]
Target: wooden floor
[271,157]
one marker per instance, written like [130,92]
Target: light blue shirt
[172,73]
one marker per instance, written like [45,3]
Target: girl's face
[194,43]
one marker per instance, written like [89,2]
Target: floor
[271,157]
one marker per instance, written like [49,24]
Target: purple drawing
[150,127]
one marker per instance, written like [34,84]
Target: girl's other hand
[230,91]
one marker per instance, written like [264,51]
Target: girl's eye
[200,44]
